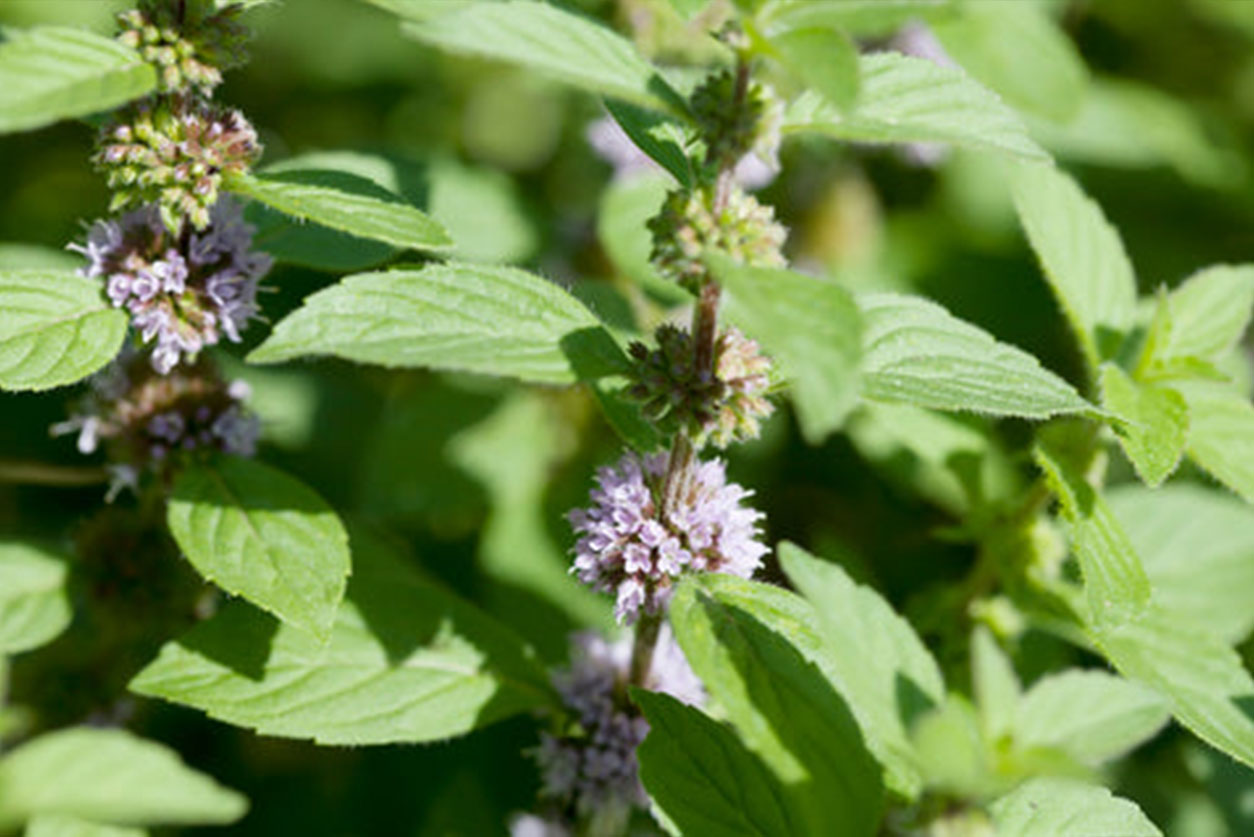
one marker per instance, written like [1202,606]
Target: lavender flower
[144,419]
[183,292]
[631,549]
[595,769]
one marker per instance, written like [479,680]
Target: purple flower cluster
[630,548]
[597,769]
[183,292]
[145,418]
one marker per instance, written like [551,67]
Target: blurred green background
[472,476]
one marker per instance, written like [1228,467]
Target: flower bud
[146,421]
[721,407]
[187,53]
[688,226]
[152,153]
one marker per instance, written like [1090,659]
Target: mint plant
[659,658]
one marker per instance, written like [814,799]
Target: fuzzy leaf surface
[811,327]
[560,44]
[877,661]
[703,778]
[824,59]
[55,329]
[406,661]
[109,776]
[1092,716]
[755,649]
[872,18]
[916,352]
[1052,807]
[60,826]
[1208,313]
[1157,423]
[258,533]
[34,607]
[1082,255]
[1019,52]
[460,317]
[905,100]
[1197,546]
[1201,676]
[52,73]
[1221,434]
[344,202]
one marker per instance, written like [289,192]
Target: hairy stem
[683,454]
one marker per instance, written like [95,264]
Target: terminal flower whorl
[182,291]
[629,548]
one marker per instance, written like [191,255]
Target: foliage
[975,553]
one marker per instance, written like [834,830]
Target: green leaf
[16,256]
[994,683]
[109,776]
[1019,52]
[755,650]
[1082,256]
[905,100]
[703,778]
[54,73]
[1092,716]
[461,317]
[626,206]
[813,330]
[261,534]
[1048,807]
[1156,423]
[1221,434]
[870,18]
[1207,314]
[60,826]
[950,749]
[824,59]
[406,661]
[658,136]
[344,202]
[1202,678]
[916,352]
[34,607]
[877,662]
[1125,124]
[1115,583]
[560,44]
[1197,547]
[55,329]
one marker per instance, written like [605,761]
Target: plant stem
[40,473]
[647,630]
[683,454]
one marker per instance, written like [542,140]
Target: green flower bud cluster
[174,153]
[190,52]
[688,226]
[730,132]
[725,405]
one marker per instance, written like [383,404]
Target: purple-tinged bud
[143,418]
